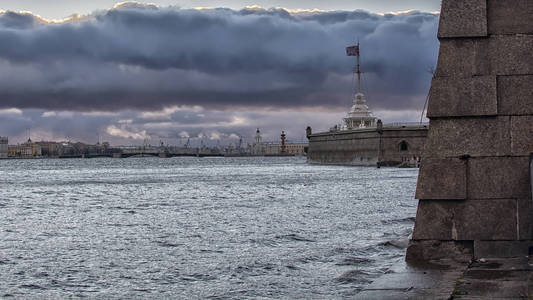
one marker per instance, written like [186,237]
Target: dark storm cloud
[147,58]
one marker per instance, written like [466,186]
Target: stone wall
[367,147]
[474,182]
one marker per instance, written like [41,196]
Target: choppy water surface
[198,228]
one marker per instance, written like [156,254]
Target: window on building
[404,146]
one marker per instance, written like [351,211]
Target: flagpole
[358,71]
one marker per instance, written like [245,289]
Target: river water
[189,228]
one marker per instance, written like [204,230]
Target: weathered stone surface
[448,183]
[525,219]
[473,96]
[511,54]
[400,294]
[509,285]
[522,135]
[498,178]
[515,94]
[510,16]
[434,220]
[463,58]
[497,55]
[468,136]
[466,18]
[501,249]
[466,220]
[426,250]
[502,264]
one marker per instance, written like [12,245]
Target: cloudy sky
[172,70]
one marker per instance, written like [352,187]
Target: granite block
[502,264]
[449,182]
[466,220]
[463,58]
[473,96]
[486,220]
[509,16]
[515,95]
[522,135]
[466,18]
[525,219]
[501,249]
[511,54]
[468,136]
[492,289]
[426,250]
[498,178]
[434,220]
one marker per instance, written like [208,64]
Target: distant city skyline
[138,71]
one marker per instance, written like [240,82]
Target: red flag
[352,51]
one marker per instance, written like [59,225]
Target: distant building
[50,149]
[291,148]
[284,147]
[25,150]
[3,147]
[257,147]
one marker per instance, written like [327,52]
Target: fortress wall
[366,147]
[474,182]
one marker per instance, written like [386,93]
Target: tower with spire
[360,116]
